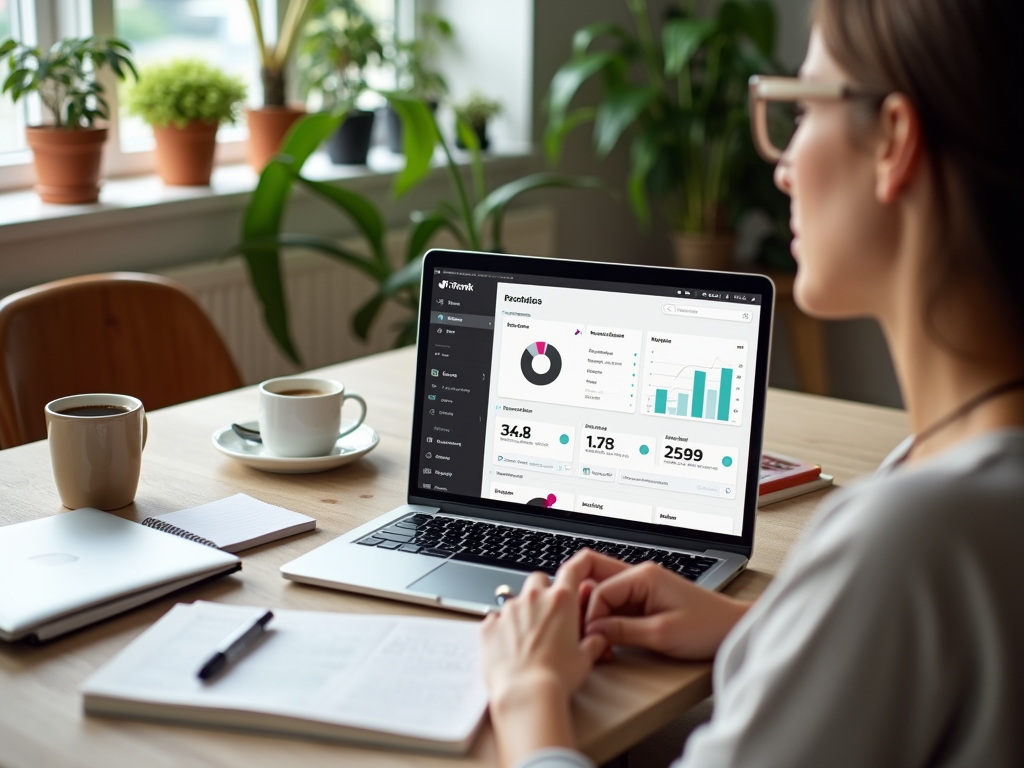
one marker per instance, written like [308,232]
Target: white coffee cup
[301,416]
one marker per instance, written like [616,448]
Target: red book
[779,472]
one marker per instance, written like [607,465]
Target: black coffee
[94,410]
[302,392]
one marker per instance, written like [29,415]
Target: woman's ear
[899,149]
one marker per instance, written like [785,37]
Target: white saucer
[255,455]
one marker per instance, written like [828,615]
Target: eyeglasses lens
[781,119]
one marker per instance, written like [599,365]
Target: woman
[894,634]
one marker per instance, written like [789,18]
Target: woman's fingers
[594,647]
[587,564]
[652,632]
[629,588]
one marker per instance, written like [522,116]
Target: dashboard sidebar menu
[460,337]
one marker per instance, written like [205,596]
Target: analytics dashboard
[628,402]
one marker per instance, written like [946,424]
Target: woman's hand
[650,607]
[533,661]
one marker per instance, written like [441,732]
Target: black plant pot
[481,137]
[350,144]
[393,123]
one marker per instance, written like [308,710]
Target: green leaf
[366,314]
[263,217]
[419,137]
[305,136]
[619,110]
[426,226]
[732,17]
[7,46]
[264,265]
[586,35]
[761,26]
[567,82]
[469,138]
[359,209]
[494,204]
[644,153]
[682,38]
[324,245]
[406,277]
[553,141]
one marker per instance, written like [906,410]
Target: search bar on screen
[708,313]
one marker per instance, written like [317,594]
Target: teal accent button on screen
[564,439]
[644,450]
[727,461]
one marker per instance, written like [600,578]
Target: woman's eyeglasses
[775,114]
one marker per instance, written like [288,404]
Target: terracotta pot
[184,156]
[267,128]
[67,163]
[703,251]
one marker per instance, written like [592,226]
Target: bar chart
[694,377]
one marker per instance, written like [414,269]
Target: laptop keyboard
[522,549]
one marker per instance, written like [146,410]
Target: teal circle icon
[564,439]
[727,461]
[644,450]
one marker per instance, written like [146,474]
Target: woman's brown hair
[951,58]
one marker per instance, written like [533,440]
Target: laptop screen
[625,403]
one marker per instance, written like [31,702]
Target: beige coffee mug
[96,444]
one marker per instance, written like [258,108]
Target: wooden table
[41,719]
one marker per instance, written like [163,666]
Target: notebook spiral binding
[160,525]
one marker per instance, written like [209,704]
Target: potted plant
[477,111]
[338,42]
[684,98]
[185,101]
[475,220]
[269,124]
[415,73]
[67,151]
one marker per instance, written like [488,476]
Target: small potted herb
[185,101]
[477,111]
[338,43]
[67,151]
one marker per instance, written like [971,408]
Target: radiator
[322,296]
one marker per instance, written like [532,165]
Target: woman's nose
[782,176]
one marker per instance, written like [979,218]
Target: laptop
[562,405]
[68,570]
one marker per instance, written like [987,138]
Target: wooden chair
[122,332]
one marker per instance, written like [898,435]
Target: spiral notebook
[233,524]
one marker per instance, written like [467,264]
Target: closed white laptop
[63,572]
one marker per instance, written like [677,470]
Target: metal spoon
[253,435]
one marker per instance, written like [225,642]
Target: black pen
[234,645]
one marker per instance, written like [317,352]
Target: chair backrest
[121,332]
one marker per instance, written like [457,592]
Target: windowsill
[139,199]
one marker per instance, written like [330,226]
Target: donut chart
[547,501]
[542,354]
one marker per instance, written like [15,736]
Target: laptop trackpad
[473,583]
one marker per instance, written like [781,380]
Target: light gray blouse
[893,635]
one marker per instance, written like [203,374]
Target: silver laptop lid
[57,565]
[592,396]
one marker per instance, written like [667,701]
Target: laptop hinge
[574,526]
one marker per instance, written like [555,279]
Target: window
[12,117]
[219,31]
